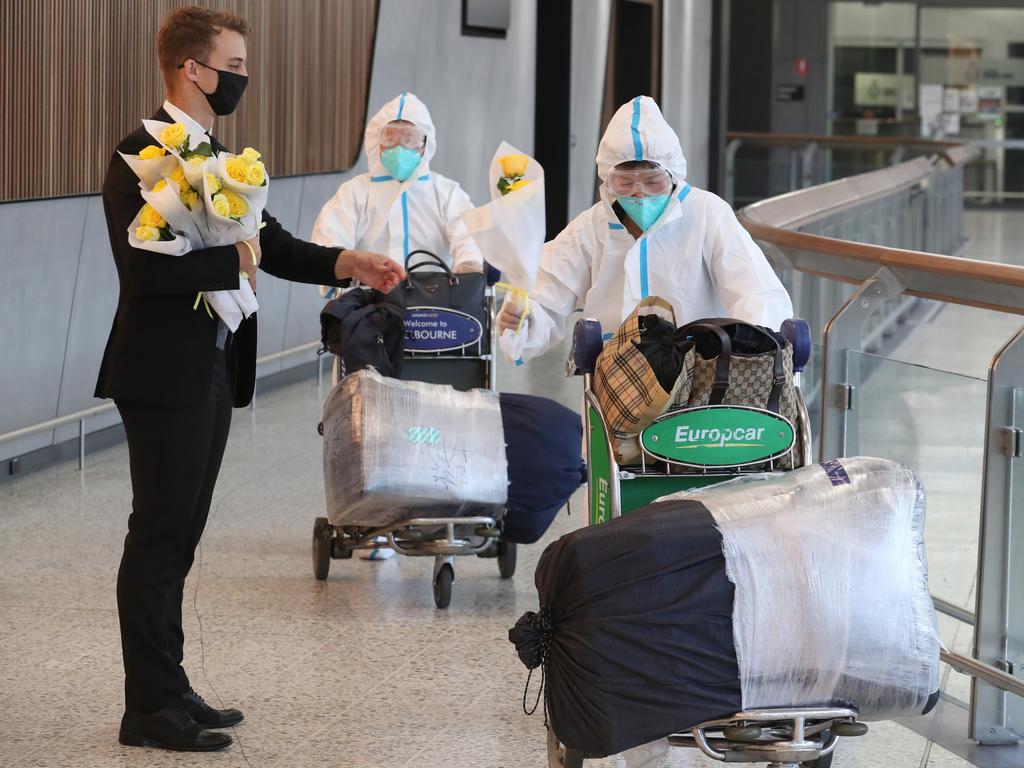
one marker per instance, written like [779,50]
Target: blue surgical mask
[644,211]
[400,161]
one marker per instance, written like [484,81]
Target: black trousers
[175,456]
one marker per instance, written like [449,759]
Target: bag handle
[778,365]
[432,261]
[721,384]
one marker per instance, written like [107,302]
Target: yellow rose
[190,199]
[152,152]
[513,165]
[178,177]
[213,183]
[221,206]
[147,233]
[160,185]
[150,217]
[196,160]
[239,205]
[256,174]
[517,185]
[173,136]
[250,155]
[236,168]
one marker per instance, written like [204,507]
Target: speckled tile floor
[360,670]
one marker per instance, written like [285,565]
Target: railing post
[730,171]
[81,444]
[807,159]
[845,334]
[997,718]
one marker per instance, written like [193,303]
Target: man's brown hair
[187,33]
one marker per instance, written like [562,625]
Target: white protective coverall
[375,212]
[696,255]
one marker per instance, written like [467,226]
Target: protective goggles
[401,134]
[639,182]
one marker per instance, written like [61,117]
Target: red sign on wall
[801,67]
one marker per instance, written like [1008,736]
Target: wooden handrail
[867,142]
[1002,284]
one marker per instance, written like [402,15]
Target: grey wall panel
[41,242]
[686,80]
[479,90]
[272,293]
[590,22]
[316,191]
[95,301]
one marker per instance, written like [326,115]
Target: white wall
[479,90]
[590,24]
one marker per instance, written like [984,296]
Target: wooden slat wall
[78,75]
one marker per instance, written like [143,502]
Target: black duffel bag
[363,333]
[431,283]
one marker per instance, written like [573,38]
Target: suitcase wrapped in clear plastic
[400,449]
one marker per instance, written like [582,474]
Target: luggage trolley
[461,353]
[785,738]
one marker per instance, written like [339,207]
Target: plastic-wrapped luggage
[398,449]
[799,589]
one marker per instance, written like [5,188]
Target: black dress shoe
[169,729]
[207,716]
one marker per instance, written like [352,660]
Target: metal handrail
[85,413]
[852,142]
[884,274]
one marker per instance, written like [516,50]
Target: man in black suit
[175,372]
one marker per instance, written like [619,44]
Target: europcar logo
[689,437]
[718,436]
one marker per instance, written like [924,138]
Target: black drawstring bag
[663,349]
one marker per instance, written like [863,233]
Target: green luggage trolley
[691,448]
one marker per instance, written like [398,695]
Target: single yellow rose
[221,206]
[151,152]
[147,233]
[250,155]
[190,199]
[238,205]
[196,160]
[237,169]
[149,217]
[160,185]
[213,183]
[514,165]
[517,185]
[178,177]
[173,136]
[256,174]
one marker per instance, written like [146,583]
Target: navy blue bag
[543,444]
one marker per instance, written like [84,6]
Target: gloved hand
[511,314]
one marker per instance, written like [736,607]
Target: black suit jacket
[161,350]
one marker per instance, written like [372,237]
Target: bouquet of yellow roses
[190,205]
[510,231]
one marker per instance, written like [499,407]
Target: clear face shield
[639,182]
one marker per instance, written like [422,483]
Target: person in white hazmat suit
[651,234]
[400,205]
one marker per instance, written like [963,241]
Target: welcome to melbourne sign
[435,329]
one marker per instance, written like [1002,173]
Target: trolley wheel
[443,586]
[506,559]
[323,543]
[560,756]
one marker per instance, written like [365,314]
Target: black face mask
[229,90]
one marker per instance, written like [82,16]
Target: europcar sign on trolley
[437,329]
[718,436]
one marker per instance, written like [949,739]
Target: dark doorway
[634,54]
[551,108]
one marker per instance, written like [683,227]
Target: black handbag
[431,294]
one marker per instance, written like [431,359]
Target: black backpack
[363,332]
